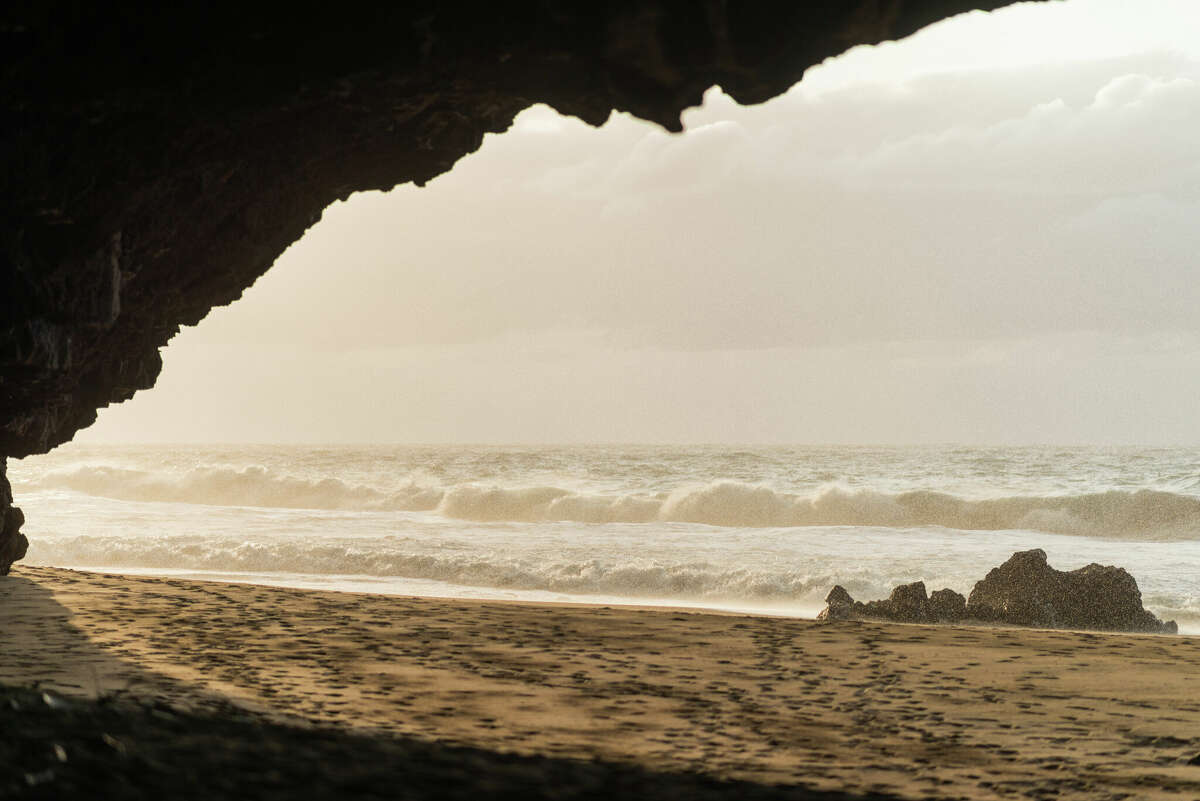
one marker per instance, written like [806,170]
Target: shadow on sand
[87,730]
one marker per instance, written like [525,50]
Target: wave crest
[1117,513]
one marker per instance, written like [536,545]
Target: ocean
[757,529]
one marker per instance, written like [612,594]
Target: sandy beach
[910,711]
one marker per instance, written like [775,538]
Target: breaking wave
[628,577]
[227,486]
[1146,514]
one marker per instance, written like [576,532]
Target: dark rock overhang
[157,157]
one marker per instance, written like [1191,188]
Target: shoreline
[221,577]
[905,709]
[650,605]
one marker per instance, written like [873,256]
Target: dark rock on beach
[910,602]
[947,605]
[1024,591]
[839,605]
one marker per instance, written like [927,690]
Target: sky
[985,233]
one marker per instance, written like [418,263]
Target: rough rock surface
[156,158]
[12,541]
[1027,591]
[947,605]
[1024,591]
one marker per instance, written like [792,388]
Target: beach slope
[910,711]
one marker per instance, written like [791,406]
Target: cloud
[996,203]
[1137,134]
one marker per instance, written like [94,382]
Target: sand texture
[911,711]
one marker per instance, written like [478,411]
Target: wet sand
[914,711]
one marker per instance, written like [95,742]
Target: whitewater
[761,529]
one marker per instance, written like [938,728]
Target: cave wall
[157,158]
[12,542]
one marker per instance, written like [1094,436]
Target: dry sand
[918,711]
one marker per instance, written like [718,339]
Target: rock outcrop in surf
[1024,591]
